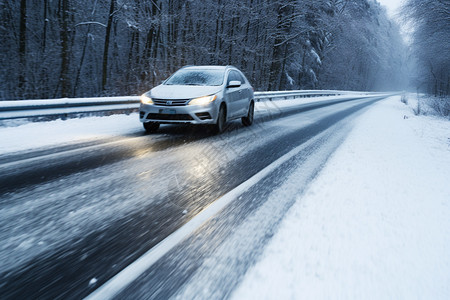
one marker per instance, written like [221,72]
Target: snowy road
[73,216]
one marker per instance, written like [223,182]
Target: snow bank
[374,223]
[59,132]
[422,104]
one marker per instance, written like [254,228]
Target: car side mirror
[234,84]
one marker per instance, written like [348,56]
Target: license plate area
[168,111]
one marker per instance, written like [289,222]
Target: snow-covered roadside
[422,104]
[59,132]
[373,224]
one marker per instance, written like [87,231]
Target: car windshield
[196,77]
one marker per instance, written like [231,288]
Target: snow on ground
[421,104]
[374,223]
[60,132]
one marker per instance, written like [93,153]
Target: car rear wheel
[151,126]
[248,120]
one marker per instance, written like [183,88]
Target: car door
[242,97]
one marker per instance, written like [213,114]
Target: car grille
[168,102]
[170,117]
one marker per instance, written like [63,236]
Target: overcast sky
[391,5]
[393,9]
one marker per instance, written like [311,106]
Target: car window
[233,75]
[240,78]
[196,77]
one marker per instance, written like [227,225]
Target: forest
[430,20]
[72,48]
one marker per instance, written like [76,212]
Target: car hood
[182,91]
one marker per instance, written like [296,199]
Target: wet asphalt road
[74,213]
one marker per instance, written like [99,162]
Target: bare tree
[22,43]
[65,48]
[106,46]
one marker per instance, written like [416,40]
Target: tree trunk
[44,33]
[64,79]
[22,45]
[106,45]
[83,54]
[284,11]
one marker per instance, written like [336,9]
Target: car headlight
[146,100]
[203,100]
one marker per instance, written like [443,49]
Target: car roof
[208,67]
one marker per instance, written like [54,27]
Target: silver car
[199,95]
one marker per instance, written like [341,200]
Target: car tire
[221,120]
[248,120]
[151,126]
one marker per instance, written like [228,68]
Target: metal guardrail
[301,94]
[67,107]
[76,107]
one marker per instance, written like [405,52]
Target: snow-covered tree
[107,47]
[430,20]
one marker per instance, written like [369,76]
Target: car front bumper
[191,114]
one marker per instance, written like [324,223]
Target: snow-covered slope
[374,224]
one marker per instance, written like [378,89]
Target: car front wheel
[248,120]
[221,120]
